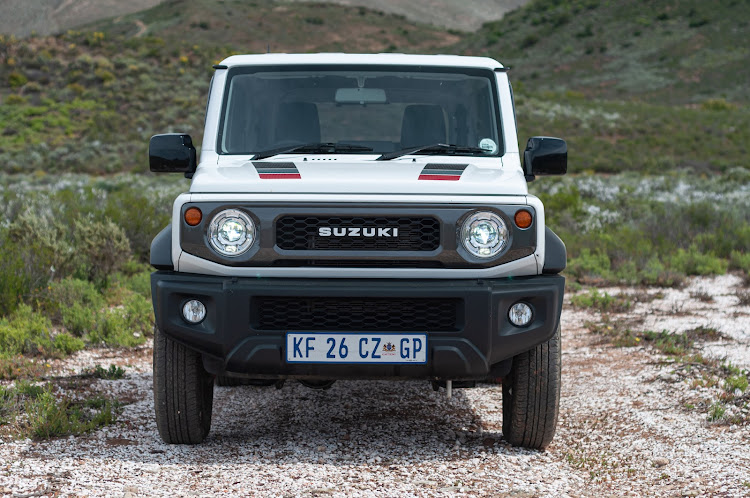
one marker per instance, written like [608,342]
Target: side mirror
[172,153]
[545,156]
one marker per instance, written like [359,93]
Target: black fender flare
[555,254]
[161,250]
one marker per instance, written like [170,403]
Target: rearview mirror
[172,153]
[545,156]
[360,96]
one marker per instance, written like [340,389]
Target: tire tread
[531,396]
[183,392]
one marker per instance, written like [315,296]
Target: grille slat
[300,233]
[355,314]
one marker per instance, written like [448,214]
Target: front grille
[300,233]
[356,263]
[356,314]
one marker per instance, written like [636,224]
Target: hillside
[88,101]
[277,26]
[666,51]
[44,17]
[21,18]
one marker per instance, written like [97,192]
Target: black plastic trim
[555,254]
[220,66]
[230,342]
[161,250]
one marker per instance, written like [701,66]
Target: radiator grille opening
[393,233]
[356,314]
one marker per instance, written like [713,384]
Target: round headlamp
[484,234]
[231,232]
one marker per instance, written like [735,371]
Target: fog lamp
[520,314]
[194,311]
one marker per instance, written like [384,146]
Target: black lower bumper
[247,320]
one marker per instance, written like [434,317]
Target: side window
[208,99]
[513,103]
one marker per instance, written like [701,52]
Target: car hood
[334,174]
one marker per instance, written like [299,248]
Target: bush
[14,280]
[126,325]
[16,79]
[67,344]
[26,332]
[590,266]
[654,273]
[601,301]
[740,261]
[103,246]
[67,298]
[693,262]
[47,417]
[112,373]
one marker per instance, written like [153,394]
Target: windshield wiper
[432,149]
[319,147]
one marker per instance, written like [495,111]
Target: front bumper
[234,340]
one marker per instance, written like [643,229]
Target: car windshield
[381,109]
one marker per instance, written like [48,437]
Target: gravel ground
[623,431]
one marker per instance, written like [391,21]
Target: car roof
[361,59]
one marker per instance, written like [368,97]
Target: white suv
[358,217]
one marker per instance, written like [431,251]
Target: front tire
[531,395]
[183,392]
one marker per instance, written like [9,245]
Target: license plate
[348,347]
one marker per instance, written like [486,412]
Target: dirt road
[624,429]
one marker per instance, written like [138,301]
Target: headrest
[297,122]
[422,125]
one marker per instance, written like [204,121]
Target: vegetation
[112,373]
[651,99]
[35,411]
[729,400]
[661,51]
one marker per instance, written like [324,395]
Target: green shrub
[140,314]
[590,266]
[79,319]
[654,273]
[16,79]
[48,417]
[134,277]
[103,247]
[740,261]
[670,344]
[43,245]
[67,344]
[717,105]
[14,99]
[716,412]
[125,326]
[694,262]
[601,301]
[73,303]
[736,382]
[25,332]
[14,281]
[112,373]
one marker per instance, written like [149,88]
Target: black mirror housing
[545,156]
[172,153]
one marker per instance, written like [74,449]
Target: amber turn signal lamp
[523,219]
[193,216]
